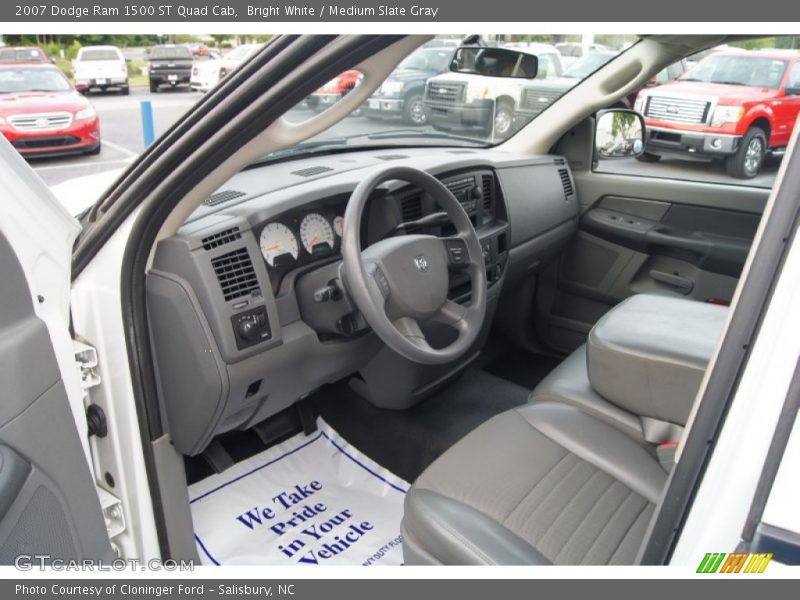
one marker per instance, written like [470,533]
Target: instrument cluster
[300,238]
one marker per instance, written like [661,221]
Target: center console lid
[648,355]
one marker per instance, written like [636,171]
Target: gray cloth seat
[573,477]
[642,366]
[542,484]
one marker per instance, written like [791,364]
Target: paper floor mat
[312,500]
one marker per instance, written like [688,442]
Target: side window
[793,83]
[707,124]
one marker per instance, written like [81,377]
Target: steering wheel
[402,282]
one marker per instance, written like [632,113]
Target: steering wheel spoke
[409,328]
[451,313]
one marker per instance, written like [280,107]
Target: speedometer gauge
[277,240]
[315,230]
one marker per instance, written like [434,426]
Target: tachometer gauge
[277,240]
[338,226]
[315,230]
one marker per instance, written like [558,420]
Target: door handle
[683,284]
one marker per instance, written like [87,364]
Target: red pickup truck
[735,105]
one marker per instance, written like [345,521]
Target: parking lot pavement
[120,125]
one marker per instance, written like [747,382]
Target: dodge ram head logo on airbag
[421,262]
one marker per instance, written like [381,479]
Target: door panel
[48,501]
[645,235]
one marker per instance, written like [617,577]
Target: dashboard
[243,318]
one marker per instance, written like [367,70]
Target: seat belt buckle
[666,455]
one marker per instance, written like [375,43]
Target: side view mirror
[494,62]
[619,133]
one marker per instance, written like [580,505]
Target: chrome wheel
[754,156]
[503,119]
[416,112]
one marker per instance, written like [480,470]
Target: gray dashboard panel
[209,383]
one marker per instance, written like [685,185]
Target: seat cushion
[569,383]
[542,484]
[648,354]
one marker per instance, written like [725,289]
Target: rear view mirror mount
[494,62]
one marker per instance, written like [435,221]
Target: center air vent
[222,197]
[311,171]
[236,274]
[566,182]
[487,185]
[221,238]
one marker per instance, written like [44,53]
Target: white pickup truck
[100,68]
[466,101]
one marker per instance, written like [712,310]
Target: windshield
[13,81]
[167,52]
[423,103]
[583,67]
[428,59]
[99,54]
[755,71]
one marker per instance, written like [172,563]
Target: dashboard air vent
[221,238]
[487,185]
[392,157]
[411,208]
[566,182]
[235,273]
[559,161]
[222,197]
[311,171]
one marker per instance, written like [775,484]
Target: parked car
[208,73]
[466,101]
[23,54]
[100,68]
[734,105]
[402,94]
[572,51]
[169,64]
[42,114]
[542,93]
[199,49]
[334,90]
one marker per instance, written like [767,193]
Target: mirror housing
[619,133]
[494,62]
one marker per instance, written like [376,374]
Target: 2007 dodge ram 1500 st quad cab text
[272,343]
[733,105]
